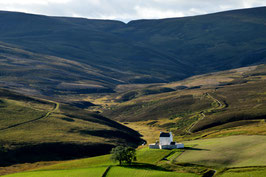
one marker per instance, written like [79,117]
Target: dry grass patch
[149,133]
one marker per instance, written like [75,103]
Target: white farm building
[166,142]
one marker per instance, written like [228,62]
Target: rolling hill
[201,77]
[33,130]
[75,55]
[227,102]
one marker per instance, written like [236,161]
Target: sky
[126,10]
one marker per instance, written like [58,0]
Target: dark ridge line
[124,23]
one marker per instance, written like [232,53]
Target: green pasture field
[151,156]
[145,155]
[245,174]
[235,154]
[98,172]
[175,154]
[132,172]
[88,172]
[232,151]
[98,161]
[95,166]
[249,172]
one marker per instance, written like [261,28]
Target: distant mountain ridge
[141,51]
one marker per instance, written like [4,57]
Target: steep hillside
[106,53]
[37,74]
[35,130]
[207,103]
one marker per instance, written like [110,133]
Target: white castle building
[166,142]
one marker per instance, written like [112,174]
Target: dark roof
[164,134]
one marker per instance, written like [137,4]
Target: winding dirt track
[56,107]
[202,113]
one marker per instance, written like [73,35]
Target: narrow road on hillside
[220,106]
[193,125]
[217,101]
[56,107]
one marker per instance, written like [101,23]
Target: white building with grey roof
[166,142]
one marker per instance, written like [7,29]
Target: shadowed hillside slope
[36,130]
[142,51]
[38,74]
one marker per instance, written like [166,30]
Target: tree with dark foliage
[123,154]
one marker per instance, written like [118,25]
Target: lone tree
[123,154]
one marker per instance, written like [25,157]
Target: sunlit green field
[255,173]
[132,172]
[88,172]
[98,172]
[236,153]
[151,156]
[96,166]
[99,161]
[148,156]
[232,151]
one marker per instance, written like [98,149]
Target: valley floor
[222,125]
[226,156]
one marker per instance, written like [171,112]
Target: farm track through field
[220,106]
[210,173]
[106,171]
[56,107]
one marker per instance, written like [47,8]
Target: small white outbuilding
[166,142]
